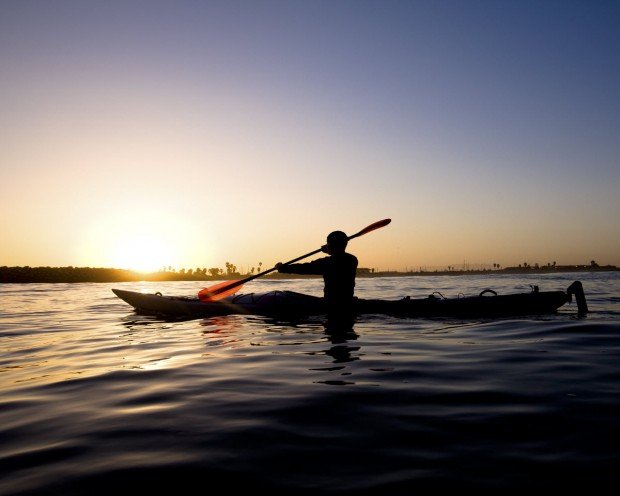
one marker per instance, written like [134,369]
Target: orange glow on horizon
[141,252]
[145,241]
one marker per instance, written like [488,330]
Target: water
[95,399]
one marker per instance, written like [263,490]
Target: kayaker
[338,271]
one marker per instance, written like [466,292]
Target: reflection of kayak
[487,304]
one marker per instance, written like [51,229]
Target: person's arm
[316,267]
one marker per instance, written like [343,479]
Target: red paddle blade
[372,227]
[219,291]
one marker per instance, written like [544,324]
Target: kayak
[290,303]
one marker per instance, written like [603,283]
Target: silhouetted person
[338,271]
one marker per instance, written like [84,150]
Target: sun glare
[115,244]
[141,252]
[146,242]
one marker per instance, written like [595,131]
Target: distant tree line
[71,274]
[27,274]
[66,274]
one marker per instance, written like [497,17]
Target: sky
[149,134]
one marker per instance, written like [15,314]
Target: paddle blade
[372,227]
[219,291]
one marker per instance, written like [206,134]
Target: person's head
[336,242]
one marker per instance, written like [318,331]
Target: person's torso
[339,276]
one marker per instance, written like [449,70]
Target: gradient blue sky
[188,133]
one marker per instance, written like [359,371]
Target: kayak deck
[273,302]
[486,304]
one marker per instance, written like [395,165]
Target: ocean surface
[95,399]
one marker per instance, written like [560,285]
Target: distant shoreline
[12,275]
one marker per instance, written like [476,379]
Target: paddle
[226,288]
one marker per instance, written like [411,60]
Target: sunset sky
[142,134]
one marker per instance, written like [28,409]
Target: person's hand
[324,249]
[278,265]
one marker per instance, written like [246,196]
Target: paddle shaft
[241,282]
